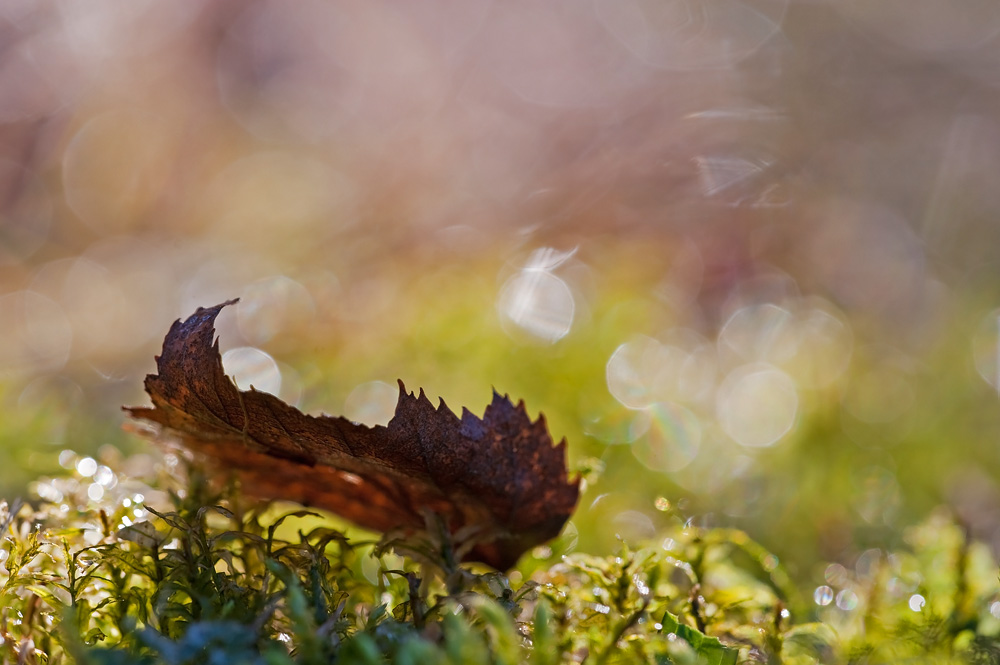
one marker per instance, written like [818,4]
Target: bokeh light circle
[757,405]
[847,600]
[764,332]
[271,305]
[673,438]
[538,303]
[250,366]
[824,349]
[617,425]
[631,371]
[116,168]
[372,403]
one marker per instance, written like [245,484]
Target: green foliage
[210,578]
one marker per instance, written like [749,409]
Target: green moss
[204,576]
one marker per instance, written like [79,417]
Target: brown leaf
[499,474]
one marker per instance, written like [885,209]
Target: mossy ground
[160,570]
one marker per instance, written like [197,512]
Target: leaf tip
[500,400]
[218,308]
[443,408]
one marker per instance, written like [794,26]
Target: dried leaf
[499,473]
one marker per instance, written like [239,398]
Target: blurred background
[743,255]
